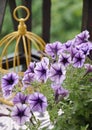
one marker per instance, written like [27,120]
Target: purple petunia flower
[67,46]
[60,92]
[85,48]
[27,79]
[7,93]
[42,71]
[30,68]
[64,59]
[73,51]
[53,49]
[88,68]
[57,73]
[45,60]
[38,102]
[8,82]
[20,98]
[82,37]
[78,60]
[20,113]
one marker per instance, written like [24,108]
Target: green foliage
[80,100]
[78,106]
[66,19]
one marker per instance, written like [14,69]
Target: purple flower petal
[42,71]
[27,79]
[30,68]
[38,102]
[88,68]
[7,93]
[60,92]
[78,60]
[57,73]
[53,49]
[82,37]
[64,59]
[20,113]
[8,82]
[20,98]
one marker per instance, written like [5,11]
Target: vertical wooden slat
[12,4]
[46,14]
[2,11]
[28,4]
[87,16]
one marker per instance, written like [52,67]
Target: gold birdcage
[23,38]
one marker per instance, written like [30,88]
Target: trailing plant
[58,84]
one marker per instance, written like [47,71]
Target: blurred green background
[66,18]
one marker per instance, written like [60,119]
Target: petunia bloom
[30,68]
[78,60]
[45,60]
[73,51]
[82,37]
[53,49]
[60,92]
[38,102]
[88,68]
[64,59]
[57,73]
[20,98]
[67,45]
[27,79]
[42,71]
[20,113]
[8,82]
[7,93]
[85,48]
